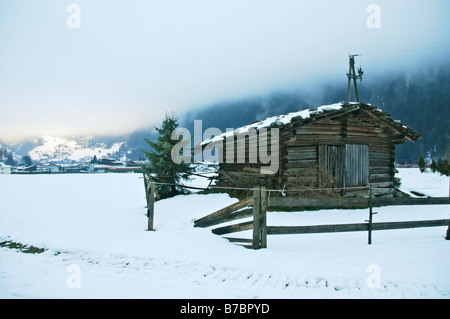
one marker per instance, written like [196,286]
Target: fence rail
[285,230]
[354,202]
[221,215]
[257,205]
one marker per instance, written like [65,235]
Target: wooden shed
[342,149]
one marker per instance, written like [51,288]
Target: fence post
[263,222]
[260,218]
[256,218]
[145,184]
[448,233]
[370,216]
[150,205]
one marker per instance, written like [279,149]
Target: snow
[58,148]
[94,226]
[433,185]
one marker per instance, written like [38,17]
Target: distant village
[102,165]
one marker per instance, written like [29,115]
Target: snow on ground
[93,228]
[429,184]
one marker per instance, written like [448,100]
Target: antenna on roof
[352,75]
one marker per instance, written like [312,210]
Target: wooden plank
[302,164]
[300,149]
[317,130]
[380,170]
[357,164]
[236,206]
[256,218]
[248,212]
[380,148]
[263,215]
[382,185]
[301,181]
[317,202]
[294,171]
[253,170]
[150,205]
[410,224]
[239,240]
[302,156]
[363,135]
[317,229]
[354,202]
[361,128]
[233,228]
[380,163]
[380,177]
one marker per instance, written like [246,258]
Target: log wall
[299,147]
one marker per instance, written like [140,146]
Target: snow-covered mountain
[76,149]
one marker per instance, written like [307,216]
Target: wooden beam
[229,209]
[390,126]
[150,205]
[354,202]
[256,218]
[233,228]
[317,229]
[239,240]
[248,212]
[263,216]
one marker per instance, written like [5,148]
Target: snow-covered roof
[307,114]
[280,120]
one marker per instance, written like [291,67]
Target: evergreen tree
[433,166]
[161,164]
[440,165]
[446,168]
[422,165]
[26,160]
[10,161]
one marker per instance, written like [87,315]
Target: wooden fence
[150,194]
[256,207]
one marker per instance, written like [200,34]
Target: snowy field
[93,229]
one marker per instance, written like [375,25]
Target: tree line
[420,99]
[442,166]
[7,158]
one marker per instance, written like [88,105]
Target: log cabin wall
[353,150]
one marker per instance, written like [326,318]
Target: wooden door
[348,164]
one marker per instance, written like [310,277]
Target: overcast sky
[131,61]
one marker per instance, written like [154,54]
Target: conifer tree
[440,165]
[10,160]
[445,168]
[433,166]
[422,164]
[161,165]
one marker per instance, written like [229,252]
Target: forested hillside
[420,100]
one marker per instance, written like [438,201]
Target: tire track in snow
[237,282]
